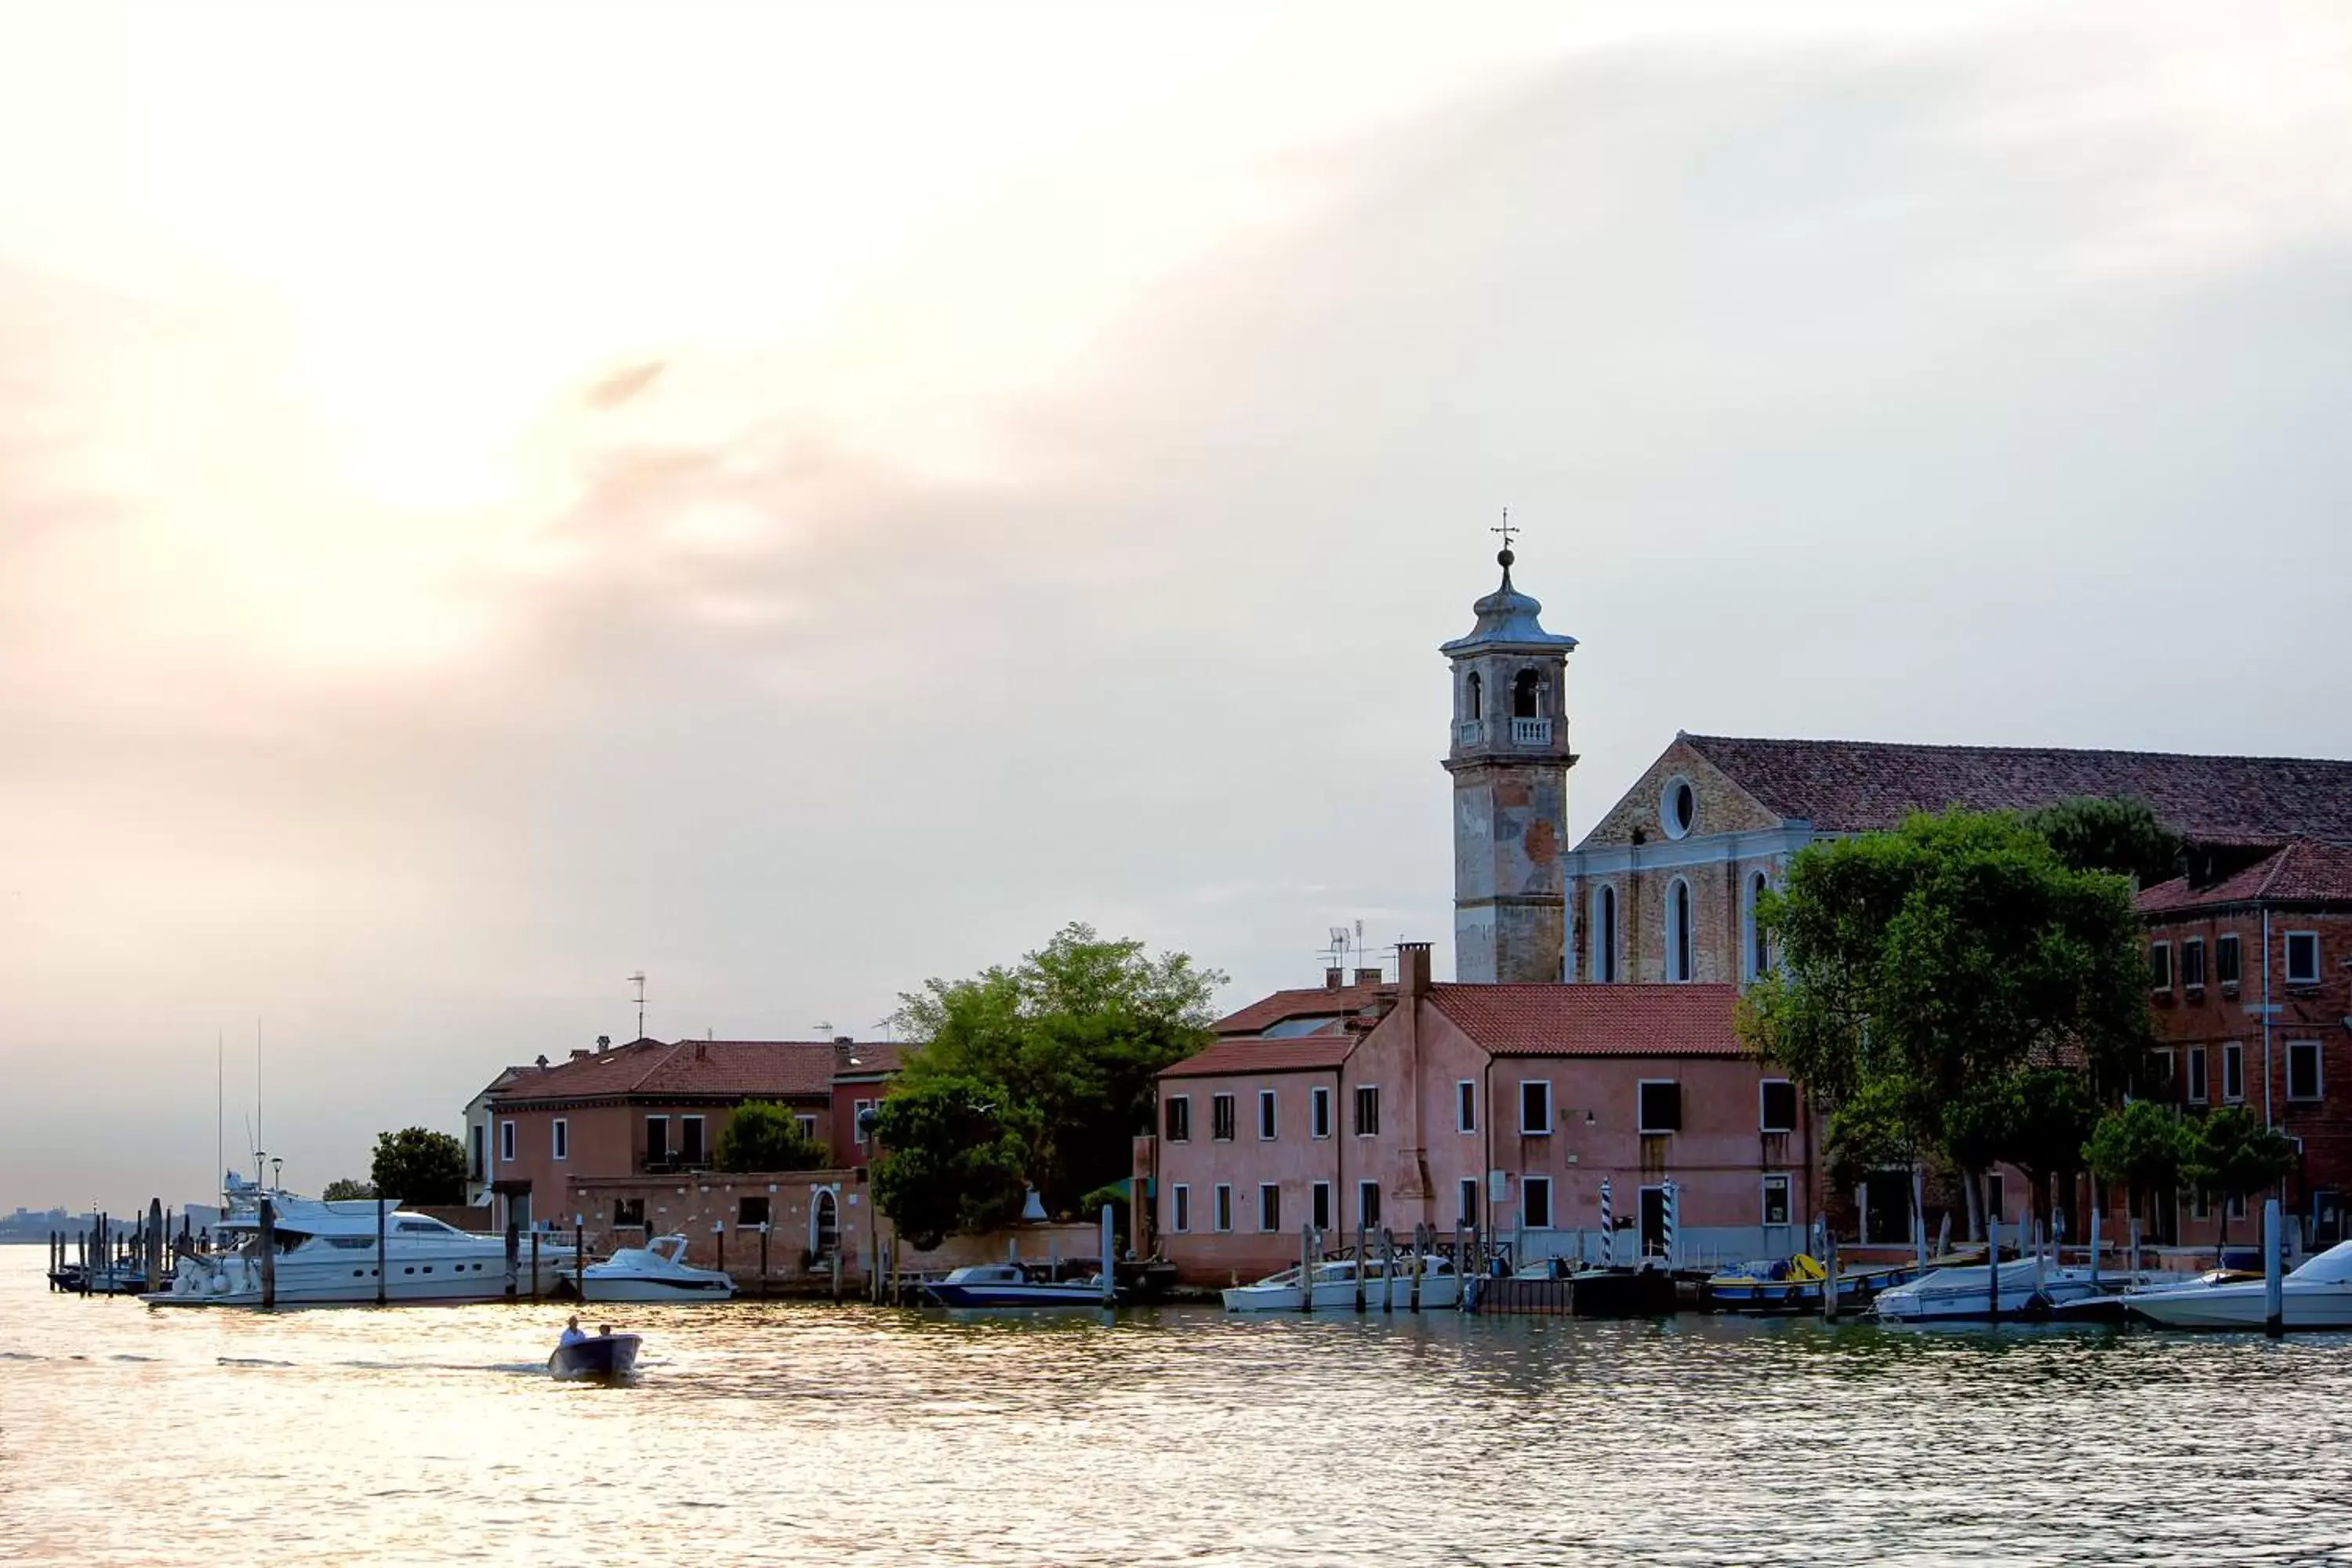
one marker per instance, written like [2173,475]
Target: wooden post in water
[1420,1250]
[1830,1273]
[2135,1244]
[2274,1276]
[534,1262]
[1993,1264]
[2094,1245]
[1109,1262]
[381,1282]
[268,1212]
[1388,1269]
[1359,1264]
[718,1242]
[514,1250]
[837,1273]
[579,1258]
[1306,1267]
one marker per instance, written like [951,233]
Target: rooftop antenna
[1360,942]
[638,980]
[1334,951]
[889,1026]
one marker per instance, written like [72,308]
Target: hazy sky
[799,500]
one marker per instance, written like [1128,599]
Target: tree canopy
[1070,1042]
[2124,837]
[763,1135]
[2140,1148]
[2232,1155]
[418,1165]
[953,1153]
[1938,983]
[344,1188]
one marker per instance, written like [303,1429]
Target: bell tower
[1509,760]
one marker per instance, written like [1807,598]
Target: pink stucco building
[1371,1106]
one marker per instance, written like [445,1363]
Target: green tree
[765,1136]
[2036,1118]
[2140,1149]
[1074,1038]
[2125,837]
[2232,1155]
[345,1188]
[953,1151]
[417,1165]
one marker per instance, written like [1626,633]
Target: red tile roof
[1322,1001]
[1297,1053]
[866,1059]
[737,1070]
[1594,1020]
[2302,873]
[1856,786]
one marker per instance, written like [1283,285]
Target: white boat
[1010,1285]
[1334,1288]
[2030,1288]
[596,1355]
[2318,1295]
[657,1271]
[326,1255]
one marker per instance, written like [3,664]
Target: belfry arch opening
[1526,695]
[1473,697]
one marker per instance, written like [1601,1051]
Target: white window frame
[2236,947]
[1221,1213]
[506,1143]
[1764,1200]
[2318,1072]
[1269,1215]
[2200,1082]
[1319,1195]
[2238,1205]
[1318,1112]
[2196,983]
[559,1138]
[1269,1116]
[807,1120]
[2159,955]
[1544,1131]
[1180,1208]
[1680,965]
[669,1149]
[1763,1122]
[2288,957]
[1465,1201]
[1466,1105]
[1374,1090]
[1175,1100]
[1366,1185]
[2233,1056]
[1642,1129]
[1232,1104]
[1534,1184]
[858,1109]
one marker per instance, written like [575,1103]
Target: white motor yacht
[326,1254]
[657,1271]
[2318,1295]
[1010,1285]
[1334,1288]
[2030,1288]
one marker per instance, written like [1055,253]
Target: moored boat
[327,1253]
[1010,1285]
[657,1271]
[2318,1295]
[1333,1288]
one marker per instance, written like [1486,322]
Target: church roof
[1859,786]
[1507,618]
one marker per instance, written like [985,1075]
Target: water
[800,1433]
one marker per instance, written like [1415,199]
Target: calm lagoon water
[815,1435]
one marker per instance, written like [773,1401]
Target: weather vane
[1506,531]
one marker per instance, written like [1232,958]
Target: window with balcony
[1178,1115]
[657,1142]
[690,1146]
[1220,1118]
[2303,958]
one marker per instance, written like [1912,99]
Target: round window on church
[1678,807]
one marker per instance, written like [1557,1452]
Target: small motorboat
[1010,1285]
[597,1355]
[2030,1288]
[657,1271]
[1334,1288]
[2317,1296]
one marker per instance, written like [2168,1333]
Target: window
[2159,965]
[1778,1107]
[2159,1072]
[2233,1072]
[1535,1202]
[1178,1114]
[1466,1106]
[1605,934]
[1757,940]
[1535,1107]
[2303,1069]
[1220,1118]
[479,1134]
[1660,1105]
[628,1212]
[657,1139]
[749,1212]
[1368,1110]
[506,1143]
[2196,1085]
[1224,1207]
[1265,1114]
[689,1139]
[1318,1205]
[1678,929]
[2192,963]
[858,1109]
[2225,958]
[1368,1205]
[1473,698]
[1269,1206]
[560,1138]
[1467,1198]
[1776,1200]
[1179,1207]
[1678,807]
[1318,1112]
[2303,958]
[2200,1204]
[2238,1207]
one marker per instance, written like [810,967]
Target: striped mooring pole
[1608,1229]
[1673,1201]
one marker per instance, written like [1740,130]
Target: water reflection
[814,1434]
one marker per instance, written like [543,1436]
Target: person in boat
[604,1330]
[572,1334]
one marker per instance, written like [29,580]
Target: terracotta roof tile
[1320,1001]
[1297,1053]
[734,1068]
[2304,872]
[1594,1020]
[1856,786]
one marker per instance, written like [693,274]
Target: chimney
[845,1039]
[581,1053]
[702,1050]
[604,1043]
[1333,978]
[1367,978]
[1412,968]
[542,1060]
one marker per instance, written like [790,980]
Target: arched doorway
[824,1224]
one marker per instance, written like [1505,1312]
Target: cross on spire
[1506,531]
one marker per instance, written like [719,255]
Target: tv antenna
[638,980]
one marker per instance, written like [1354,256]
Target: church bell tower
[1510,761]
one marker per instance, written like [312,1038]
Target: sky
[795,500]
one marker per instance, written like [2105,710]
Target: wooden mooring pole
[579,1258]
[268,1211]
[379,1281]
[534,1262]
